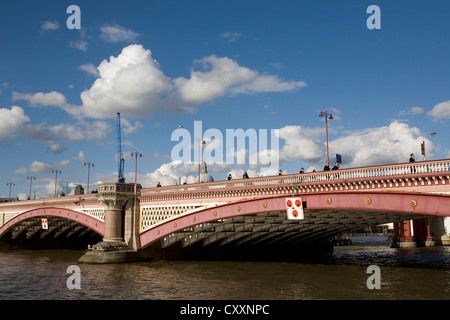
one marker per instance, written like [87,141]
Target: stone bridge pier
[121,238]
[419,232]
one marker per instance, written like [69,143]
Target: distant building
[204,175]
[78,190]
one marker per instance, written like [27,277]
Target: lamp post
[199,162]
[10,184]
[31,179]
[136,155]
[88,164]
[327,117]
[56,171]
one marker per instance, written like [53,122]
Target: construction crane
[121,160]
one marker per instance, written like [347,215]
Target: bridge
[237,218]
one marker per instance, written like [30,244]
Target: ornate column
[114,197]
[402,235]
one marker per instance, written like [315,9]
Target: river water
[419,273]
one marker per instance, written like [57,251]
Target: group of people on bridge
[302,170]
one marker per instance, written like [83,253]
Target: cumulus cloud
[41,167]
[172,173]
[131,83]
[440,111]
[77,131]
[376,146]
[11,121]
[44,99]
[301,143]
[389,144]
[134,84]
[222,75]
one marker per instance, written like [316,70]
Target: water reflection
[419,273]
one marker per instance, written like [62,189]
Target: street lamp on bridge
[88,164]
[10,184]
[31,179]
[136,155]
[199,160]
[327,117]
[56,171]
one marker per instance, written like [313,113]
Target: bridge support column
[437,231]
[120,241]
[422,233]
[402,235]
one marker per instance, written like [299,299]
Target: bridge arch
[60,221]
[265,219]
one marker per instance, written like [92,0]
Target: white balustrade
[376,175]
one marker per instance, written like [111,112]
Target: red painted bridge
[246,214]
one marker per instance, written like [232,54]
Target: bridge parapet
[85,203]
[423,176]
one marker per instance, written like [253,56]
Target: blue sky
[255,65]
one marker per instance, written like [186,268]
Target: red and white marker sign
[44,224]
[294,208]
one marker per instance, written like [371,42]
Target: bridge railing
[409,169]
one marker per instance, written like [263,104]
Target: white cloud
[116,33]
[203,86]
[301,143]
[78,131]
[128,127]
[80,156]
[388,144]
[231,36]
[80,45]
[67,131]
[11,121]
[55,148]
[376,146]
[170,174]
[49,26]
[44,99]
[224,75]
[89,69]
[131,83]
[440,111]
[268,83]
[42,167]
[35,167]
[412,111]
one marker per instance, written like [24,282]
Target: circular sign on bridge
[294,208]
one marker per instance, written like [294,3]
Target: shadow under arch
[25,229]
